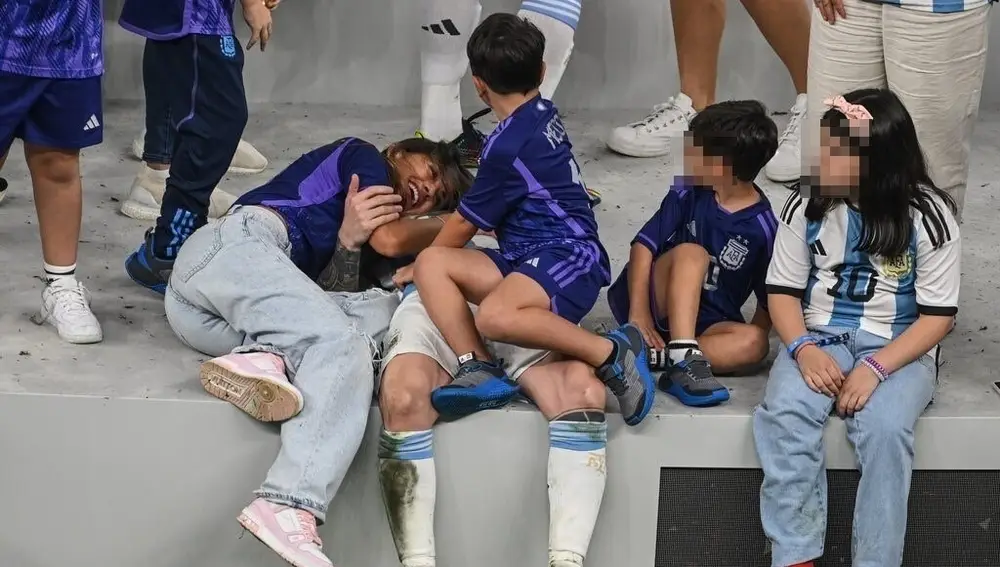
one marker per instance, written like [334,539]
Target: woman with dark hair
[862,287]
[931,53]
[251,289]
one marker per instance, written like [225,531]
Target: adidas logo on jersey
[91,123]
[532,262]
[443,27]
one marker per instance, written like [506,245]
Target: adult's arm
[407,236]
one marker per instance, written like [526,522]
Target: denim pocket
[199,249]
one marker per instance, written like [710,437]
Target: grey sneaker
[691,381]
[628,376]
[478,385]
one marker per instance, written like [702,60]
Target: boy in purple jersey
[50,97]
[198,66]
[697,260]
[551,265]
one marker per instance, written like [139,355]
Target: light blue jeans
[788,430]
[234,288]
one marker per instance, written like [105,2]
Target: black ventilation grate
[711,518]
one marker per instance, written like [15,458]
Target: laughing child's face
[420,183]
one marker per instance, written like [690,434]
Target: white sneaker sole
[139,211]
[635,150]
[71,338]
[254,526]
[260,397]
[782,176]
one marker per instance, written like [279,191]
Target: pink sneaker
[255,382]
[290,532]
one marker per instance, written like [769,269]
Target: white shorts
[411,331]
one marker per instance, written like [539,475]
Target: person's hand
[272,4]
[820,371]
[644,321]
[365,211]
[857,389]
[403,276]
[257,15]
[831,9]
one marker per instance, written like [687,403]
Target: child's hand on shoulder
[820,371]
[403,276]
[644,321]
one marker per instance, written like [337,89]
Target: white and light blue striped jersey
[839,286]
[936,6]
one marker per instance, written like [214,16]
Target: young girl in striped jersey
[862,287]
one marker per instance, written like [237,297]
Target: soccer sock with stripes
[409,489]
[577,475]
[677,350]
[58,276]
[446,27]
[557,19]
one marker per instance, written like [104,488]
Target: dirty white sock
[409,489]
[677,350]
[446,27]
[577,474]
[557,19]
[59,276]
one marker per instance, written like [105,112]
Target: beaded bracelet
[875,367]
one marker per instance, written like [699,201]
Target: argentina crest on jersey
[227,44]
[734,253]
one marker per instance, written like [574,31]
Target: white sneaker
[651,136]
[247,160]
[3,189]
[786,165]
[146,195]
[66,306]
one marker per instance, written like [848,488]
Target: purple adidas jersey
[310,195]
[52,39]
[739,244]
[163,20]
[528,187]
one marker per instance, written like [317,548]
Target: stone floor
[140,357]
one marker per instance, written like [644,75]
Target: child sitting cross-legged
[697,260]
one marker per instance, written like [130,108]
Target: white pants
[933,62]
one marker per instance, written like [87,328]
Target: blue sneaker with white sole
[146,269]
[627,375]
[692,382]
[479,385]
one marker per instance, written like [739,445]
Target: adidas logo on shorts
[91,124]
[442,27]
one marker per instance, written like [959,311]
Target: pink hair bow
[851,111]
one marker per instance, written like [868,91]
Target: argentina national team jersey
[55,39]
[163,20]
[818,261]
[937,6]
[528,187]
[738,243]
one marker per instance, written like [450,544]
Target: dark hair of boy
[894,175]
[740,132]
[505,52]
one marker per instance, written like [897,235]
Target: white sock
[59,276]
[446,28]
[577,474]
[409,489]
[677,350]
[156,174]
[558,33]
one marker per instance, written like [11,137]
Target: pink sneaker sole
[261,397]
[253,525]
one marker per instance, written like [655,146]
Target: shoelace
[308,524]
[652,121]
[697,368]
[70,301]
[462,376]
[794,123]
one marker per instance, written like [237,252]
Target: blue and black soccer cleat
[628,376]
[692,382]
[478,386]
[146,269]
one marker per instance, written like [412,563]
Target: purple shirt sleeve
[660,228]
[364,160]
[491,197]
[769,227]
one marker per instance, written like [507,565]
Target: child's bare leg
[730,346]
[449,279]
[518,311]
[55,175]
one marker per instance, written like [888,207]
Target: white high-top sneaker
[66,306]
[651,136]
[246,161]
[786,165]
[146,195]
